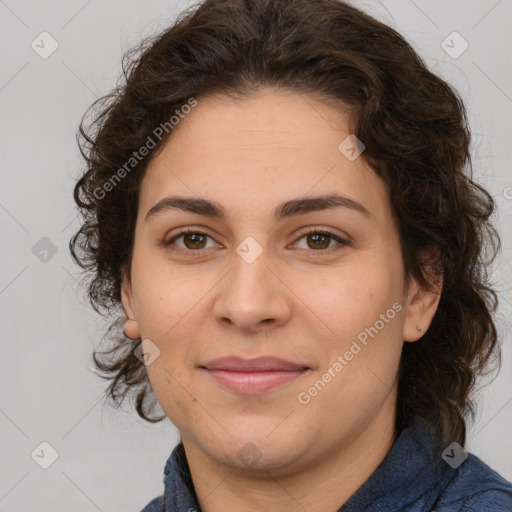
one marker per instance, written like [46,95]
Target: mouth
[253,376]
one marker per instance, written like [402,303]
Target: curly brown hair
[413,124]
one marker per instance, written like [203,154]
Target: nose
[253,296]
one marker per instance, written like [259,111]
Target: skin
[291,302]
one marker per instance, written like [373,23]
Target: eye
[317,240]
[193,239]
[320,240]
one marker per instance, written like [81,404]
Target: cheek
[350,298]
[164,298]
[362,311]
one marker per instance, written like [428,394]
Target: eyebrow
[287,209]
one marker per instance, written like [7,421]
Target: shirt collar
[179,493]
[411,473]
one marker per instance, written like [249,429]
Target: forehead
[254,153]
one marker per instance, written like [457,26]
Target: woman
[278,200]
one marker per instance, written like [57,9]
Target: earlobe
[131,329]
[131,326]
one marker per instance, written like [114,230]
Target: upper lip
[259,364]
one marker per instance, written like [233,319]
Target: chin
[262,451]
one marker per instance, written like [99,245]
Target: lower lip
[253,383]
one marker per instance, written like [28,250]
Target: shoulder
[475,487]
[155,505]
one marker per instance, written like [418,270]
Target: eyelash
[302,234]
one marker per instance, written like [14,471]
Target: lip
[253,376]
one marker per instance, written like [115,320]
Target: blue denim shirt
[407,480]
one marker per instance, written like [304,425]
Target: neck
[323,485]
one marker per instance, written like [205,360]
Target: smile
[252,377]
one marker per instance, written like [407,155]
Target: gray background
[110,460]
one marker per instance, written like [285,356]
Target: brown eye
[319,241]
[192,240]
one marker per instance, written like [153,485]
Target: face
[307,301]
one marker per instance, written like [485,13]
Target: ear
[131,326]
[421,307]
